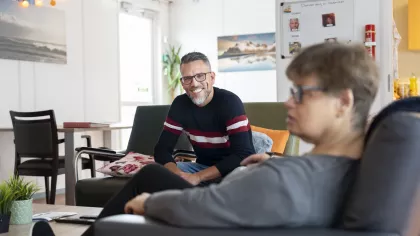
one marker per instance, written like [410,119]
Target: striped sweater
[219,132]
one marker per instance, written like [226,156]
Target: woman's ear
[346,101]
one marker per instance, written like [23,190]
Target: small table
[69,152]
[60,229]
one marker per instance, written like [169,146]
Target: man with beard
[213,119]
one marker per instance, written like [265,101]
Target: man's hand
[136,205]
[173,168]
[193,179]
[255,158]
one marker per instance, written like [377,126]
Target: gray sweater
[282,192]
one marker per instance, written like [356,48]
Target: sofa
[383,200]
[147,126]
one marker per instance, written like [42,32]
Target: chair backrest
[272,115]
[148,124]
[35,134]
[385,194]
[147,127]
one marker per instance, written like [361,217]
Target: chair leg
[53,187]
[47,189]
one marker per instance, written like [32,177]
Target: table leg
[107,139]
[70,174]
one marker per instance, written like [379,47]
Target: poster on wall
[249,52]
[306,23]
[32,34]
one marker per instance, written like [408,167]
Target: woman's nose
[290,102]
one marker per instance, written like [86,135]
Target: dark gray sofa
[147,126]
[383,201]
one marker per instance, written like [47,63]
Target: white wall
[86,89]
[196,25]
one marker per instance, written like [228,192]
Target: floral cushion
[127,166]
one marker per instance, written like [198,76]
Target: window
[137,44]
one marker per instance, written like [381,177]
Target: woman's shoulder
[311,163]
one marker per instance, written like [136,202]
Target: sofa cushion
[384,191]
[262,142]
[279,137]
[127,166]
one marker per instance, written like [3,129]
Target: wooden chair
[36,138]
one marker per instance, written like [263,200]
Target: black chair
[36,138]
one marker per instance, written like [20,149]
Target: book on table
[84,125]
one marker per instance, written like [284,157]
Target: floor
[60,199]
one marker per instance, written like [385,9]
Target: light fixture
[24,3]
[38,3]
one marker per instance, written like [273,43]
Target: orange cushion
[279,137]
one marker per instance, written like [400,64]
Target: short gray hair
[195,56]
[339,66]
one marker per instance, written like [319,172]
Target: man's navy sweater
[219,132]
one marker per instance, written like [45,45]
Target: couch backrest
[385,196]
[148,124]
[271,115]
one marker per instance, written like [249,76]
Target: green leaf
[172,67]
[21,189]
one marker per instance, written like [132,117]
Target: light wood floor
[60,199]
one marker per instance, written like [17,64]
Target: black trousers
[151,178]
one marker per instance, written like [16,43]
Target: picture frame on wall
[36,34]
[247,52]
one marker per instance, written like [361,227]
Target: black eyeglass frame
[190,78]
[297,91]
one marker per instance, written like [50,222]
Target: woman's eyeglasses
[297,91]
[200,77]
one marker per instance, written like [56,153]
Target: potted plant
[6,200]
[171,64]
[22,205]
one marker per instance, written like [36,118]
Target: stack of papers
[52,215]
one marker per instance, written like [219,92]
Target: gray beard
[200,100]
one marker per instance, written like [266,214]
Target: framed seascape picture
[32,34]
[249,52]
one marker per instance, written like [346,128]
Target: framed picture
[249,52]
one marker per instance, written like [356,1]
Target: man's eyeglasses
[200,77]
[298,91]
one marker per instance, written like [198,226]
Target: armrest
[131,225]
[100,154]
[88,149]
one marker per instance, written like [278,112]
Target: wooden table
[69,136]
[60,229]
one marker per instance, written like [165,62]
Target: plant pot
[21,212]
[4,223]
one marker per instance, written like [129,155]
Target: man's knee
[149,170]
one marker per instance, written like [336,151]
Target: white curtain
[396,42]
